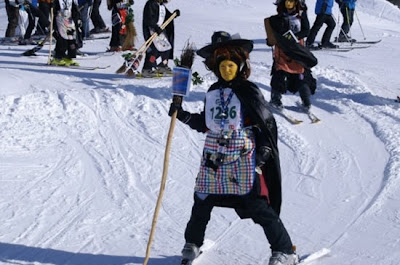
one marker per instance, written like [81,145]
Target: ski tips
[29,53]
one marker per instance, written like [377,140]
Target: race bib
[230,115]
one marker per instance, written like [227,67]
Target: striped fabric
[237,172]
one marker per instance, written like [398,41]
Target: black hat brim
[208,50]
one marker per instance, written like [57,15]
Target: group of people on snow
[323,10]
[70,21]
[240,166]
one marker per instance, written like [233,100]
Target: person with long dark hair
[287,73]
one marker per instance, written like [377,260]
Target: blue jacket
[324,7]
[351,4]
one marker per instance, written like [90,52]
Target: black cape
[256,107]
[150,19]
[294,50]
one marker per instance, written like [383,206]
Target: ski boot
[70,62]
[189,252]
[149,73]
[164,70]
[57,62]
[280,258]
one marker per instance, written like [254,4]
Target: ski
[338,49]
[96,38]
[38,47]
[314,256]
[79,67]
[284,113]
[354,46]
[313,118]
[361,42]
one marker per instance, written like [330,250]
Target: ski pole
[181,83]
[344,33]
[51,32]
[348,21]
[338,22]
[362,31]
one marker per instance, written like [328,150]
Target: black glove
[262,155]
[177,12]
[182,115]
[324,7]
[158,30]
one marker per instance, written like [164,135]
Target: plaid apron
[236,174]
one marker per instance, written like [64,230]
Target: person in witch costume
[65,32]
[155,14]
[123,33]
[288,71]
[240,166]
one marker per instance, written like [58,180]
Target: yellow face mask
[228,70]
[289,4]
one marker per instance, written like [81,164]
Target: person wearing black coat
[155,14]
[240,166]
[292,61]
[12,8]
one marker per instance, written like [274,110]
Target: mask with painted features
[228,70]
[290,4]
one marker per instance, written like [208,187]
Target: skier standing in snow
[65,32]
[323,10]
[154,15]
[240,167]
[12,8]
[97,19]
[347,8]
[33,13]
[123,30]
[287,73]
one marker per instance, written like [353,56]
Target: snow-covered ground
[81,152]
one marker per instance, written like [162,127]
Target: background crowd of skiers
[71,20]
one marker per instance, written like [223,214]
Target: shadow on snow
[12,253]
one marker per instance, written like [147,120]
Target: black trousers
[96,18]
[12,14]
[256,207]
[62,46]
[282,81]
[43,23]
[45,9]
[116,39]
[151,56]
[348,18]
[320,20]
